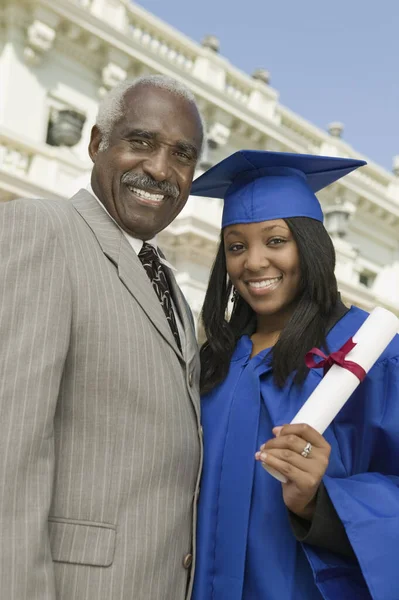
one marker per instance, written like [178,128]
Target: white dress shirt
[135,243]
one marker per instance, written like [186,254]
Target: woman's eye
[235,247]
[276,241]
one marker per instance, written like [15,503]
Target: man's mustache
[145,181]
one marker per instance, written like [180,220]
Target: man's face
[144,176]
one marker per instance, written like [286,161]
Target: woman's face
[263,265]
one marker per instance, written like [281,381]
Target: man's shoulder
[43,212]
[35,205]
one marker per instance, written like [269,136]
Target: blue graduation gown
[245,547]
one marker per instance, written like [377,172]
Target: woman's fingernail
[276,431]
[263,456]
[257,455]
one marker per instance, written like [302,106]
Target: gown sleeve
[325,530]
[367,500]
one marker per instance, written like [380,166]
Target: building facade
[58,59]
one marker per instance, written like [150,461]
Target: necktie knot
[148,252]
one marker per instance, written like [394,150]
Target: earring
[234,296]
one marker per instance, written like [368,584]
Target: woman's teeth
[265,283]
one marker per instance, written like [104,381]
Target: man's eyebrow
[142,133]
[187,148]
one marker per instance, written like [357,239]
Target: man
[100,442]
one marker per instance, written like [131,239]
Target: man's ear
[95,141]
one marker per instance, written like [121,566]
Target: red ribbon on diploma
[335,358]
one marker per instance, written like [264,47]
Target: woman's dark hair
[307,327]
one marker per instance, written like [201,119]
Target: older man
[100,442]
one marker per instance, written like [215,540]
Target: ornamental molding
[190,242]
[369,208]
[381,227]
[378,207]
[84,50]
[115,70]
[23,163]
[363,297]
[111,75]
[40,35]
[14,160]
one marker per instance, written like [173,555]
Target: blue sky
[329,60]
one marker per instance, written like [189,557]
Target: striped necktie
[157,274]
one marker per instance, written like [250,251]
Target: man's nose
[157,165]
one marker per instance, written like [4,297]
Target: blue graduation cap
[261,186]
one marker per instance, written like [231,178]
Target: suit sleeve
[35,317]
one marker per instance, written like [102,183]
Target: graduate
[332,530]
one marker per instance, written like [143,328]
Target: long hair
[318,297]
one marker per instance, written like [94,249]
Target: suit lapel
[130,270]
[190,348]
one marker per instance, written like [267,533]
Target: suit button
[191,379]
[188,561]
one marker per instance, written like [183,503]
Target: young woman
[332,530]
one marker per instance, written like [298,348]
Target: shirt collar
[135,243]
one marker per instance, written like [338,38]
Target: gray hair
[112,107]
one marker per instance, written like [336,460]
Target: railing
[373,183]
[238,87]
[292,126]
[161,46]
[159,39]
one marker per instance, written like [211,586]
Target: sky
[335,60]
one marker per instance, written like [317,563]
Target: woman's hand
[303,473]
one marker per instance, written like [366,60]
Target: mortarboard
[260,186]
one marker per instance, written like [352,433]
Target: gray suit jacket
[100,441]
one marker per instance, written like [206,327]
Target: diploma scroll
[338,384]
